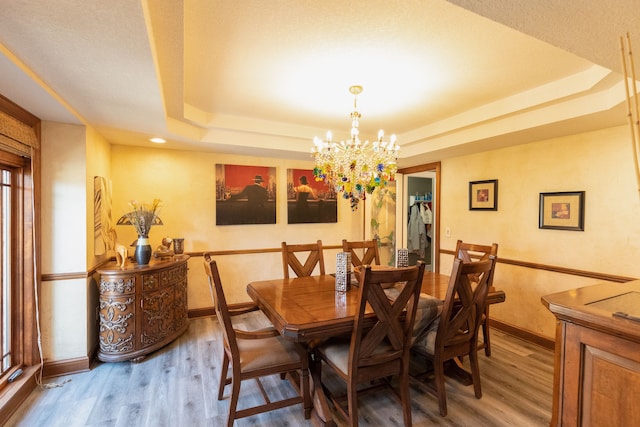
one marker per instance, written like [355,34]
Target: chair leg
[438,370]
[223,375]
[485,333]
[352,398]
[306,394]
[475,372]
[405,395]
[233,403]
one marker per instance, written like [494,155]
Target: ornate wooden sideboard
[142,308]
[597,355]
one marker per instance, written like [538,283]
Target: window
[19,249]
[5,270]
[15,298]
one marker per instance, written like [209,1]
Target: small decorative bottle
[343,271]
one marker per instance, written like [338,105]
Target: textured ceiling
[263,78]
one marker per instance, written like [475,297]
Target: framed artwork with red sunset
[308,200]
[245,194]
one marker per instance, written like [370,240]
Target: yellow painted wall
[72,156]
[98,164]
[63,303]
[599,163]
[185,182]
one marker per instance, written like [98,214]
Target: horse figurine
[121,254]
[120,250]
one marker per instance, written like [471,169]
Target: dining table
[310,309]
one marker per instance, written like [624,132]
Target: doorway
[417,216]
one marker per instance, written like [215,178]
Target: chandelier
[353,167]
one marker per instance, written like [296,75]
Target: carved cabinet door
[156,310]
[180,304]
[117,315]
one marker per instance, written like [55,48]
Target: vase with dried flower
[142,217]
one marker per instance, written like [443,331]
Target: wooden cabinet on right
[597,355]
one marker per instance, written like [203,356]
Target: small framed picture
[562,211]
[483,195]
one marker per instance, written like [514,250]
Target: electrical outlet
[447,231]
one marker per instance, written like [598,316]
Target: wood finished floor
[176,386]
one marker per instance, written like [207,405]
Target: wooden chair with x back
[455,333]
[368,249]
[254,355]
[290,259]
[468,252]
[382,350]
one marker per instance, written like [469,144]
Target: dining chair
[466,252]
[256,354]
[455,333]
[368,249]
[257,317]
[290,258]
[374,353]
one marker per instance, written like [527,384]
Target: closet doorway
[418,214]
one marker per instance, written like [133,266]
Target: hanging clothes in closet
[416,230]
[427,218]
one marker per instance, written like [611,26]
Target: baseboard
[66,367]
[524,334]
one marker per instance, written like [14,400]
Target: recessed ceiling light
[158,140]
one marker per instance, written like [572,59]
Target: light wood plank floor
[176,386]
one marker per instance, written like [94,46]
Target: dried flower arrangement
[142,217]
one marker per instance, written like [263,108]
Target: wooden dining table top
[308,308]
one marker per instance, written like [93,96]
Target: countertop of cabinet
[600,307]
[132,267]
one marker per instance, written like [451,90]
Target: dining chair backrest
[468,252]
[239,307]
[291,261]
[220,304]
[394,325]
[380,342]
[368,249]
[464,306]
[207,268]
